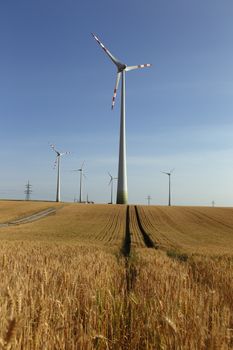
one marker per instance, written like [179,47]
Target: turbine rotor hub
[121,67]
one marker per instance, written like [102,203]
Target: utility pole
[28,191]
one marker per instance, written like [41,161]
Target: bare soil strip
[30,218]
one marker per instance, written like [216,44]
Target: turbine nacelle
[121,67]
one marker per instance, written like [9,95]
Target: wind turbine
[80,180]
[111,182]
[148,199]
[122,192]
[169,185]
[57,162]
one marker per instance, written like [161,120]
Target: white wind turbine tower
[122,192]
[57,162]
[111,183]
[169,185]
[80,180]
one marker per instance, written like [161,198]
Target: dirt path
[30,218]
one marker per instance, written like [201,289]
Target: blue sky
[56,86]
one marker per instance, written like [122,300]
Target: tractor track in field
[131,268]
[148,242]
[126,248]
[30,218]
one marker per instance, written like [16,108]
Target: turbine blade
[171,171]
[55,163]
[109,174]
[82,165]
[114,59]
[110,182]
[64,153]
[115,89]
[53,148]
[128,68]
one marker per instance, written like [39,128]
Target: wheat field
[12,210]
[117,277]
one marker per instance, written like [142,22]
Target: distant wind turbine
[148,199]
[57,163]
[111,183]
[80,180]
[122,191]
[169,185]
